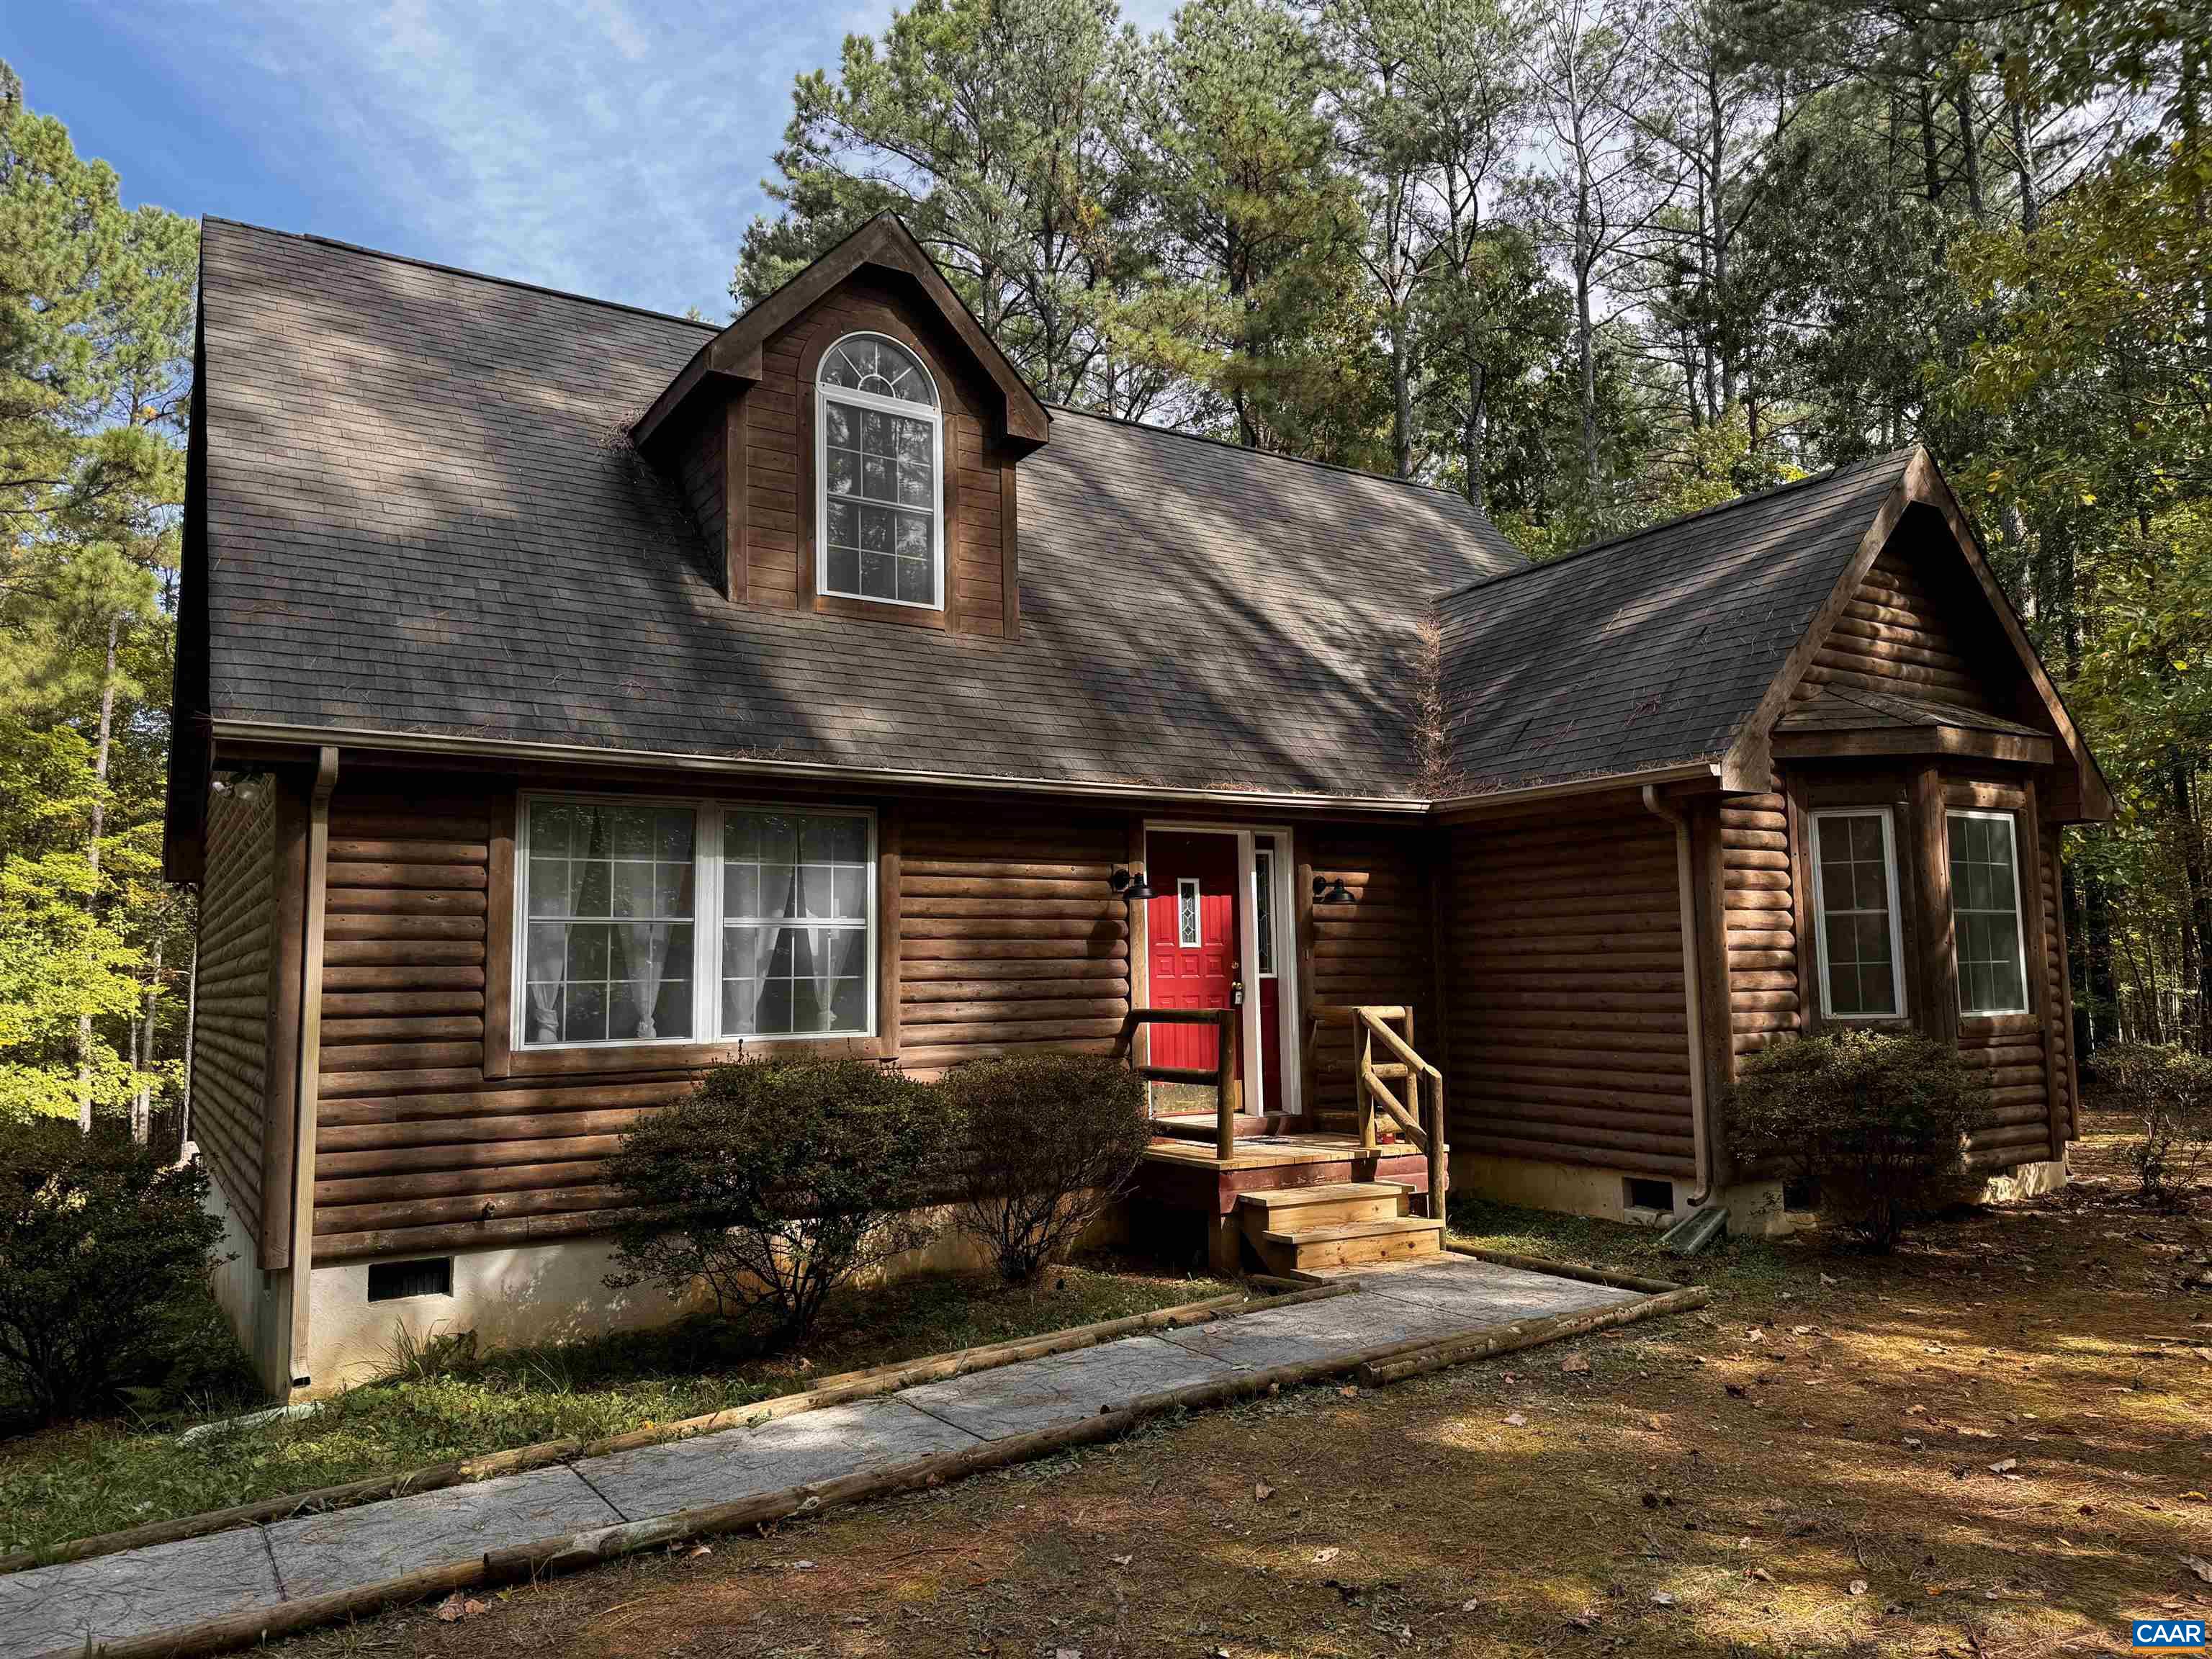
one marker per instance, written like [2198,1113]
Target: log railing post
[1225,1088]
[1439,1168]
[1363,1059]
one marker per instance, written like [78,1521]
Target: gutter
[419,742]
[585,755]
[1686,882]
[310,1058]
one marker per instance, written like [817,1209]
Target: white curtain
[549,956]
[646,942]
[746,966]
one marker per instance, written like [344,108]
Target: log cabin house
[569,697]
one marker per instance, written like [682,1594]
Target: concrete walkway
[142,1593]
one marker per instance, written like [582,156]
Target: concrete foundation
[531,1295]
[2027,1181]
[1755,1208]
[259,1304]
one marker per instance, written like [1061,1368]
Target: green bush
[2170,1091]
[104,1247]
[1047,1142]
[776,1180]
[1875,1123]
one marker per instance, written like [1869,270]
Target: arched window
[878,452]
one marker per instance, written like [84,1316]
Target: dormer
[848,445]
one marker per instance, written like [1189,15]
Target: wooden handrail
[1223,1076]
[1420,1113]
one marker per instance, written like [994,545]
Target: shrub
[2170,1090]
[103,1247]
[776,1180]
[1047,1142]
[1875,1121]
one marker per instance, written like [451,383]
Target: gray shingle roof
[423,514]
[1650,651]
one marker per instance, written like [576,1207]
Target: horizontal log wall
[1764,957]
[2057,993]
[1380,948]
[230,1037]
[1010,940]
[1895,635]
[2007,1051]
[1568,1033]
[415,1150]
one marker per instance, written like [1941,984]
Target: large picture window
[1855,904]
[610,950]
[879,455]
[1985,913]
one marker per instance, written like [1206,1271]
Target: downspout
[311,1058]
[1686,883]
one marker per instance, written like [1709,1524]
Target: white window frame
[934,412]
[2011,822]
[708,819]
[1896,919]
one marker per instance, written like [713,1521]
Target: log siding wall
[1896,636]
[1379,949]
[1760,905]
[232,1039]
[1010,940]
[1568,1038]
[417,1149]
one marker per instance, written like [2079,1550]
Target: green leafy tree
[95,320]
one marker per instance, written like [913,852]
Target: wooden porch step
[1340,1224]
[1394,1238]
[1298,1209]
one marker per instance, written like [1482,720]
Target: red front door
[1193,940]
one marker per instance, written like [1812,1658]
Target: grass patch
[443,1401]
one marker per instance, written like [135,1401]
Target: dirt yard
[1997,1443]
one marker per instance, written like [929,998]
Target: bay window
[1985,858]
[611,950]
[1855,912]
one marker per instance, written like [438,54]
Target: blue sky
[611,147]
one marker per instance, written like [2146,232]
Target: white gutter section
[1686,883]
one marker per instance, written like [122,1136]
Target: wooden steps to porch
[1340,1225]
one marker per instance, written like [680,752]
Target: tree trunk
[2023,150]
[1475,438]
[191,1017]
[1401,393]
[92,858]
[141,1109]
[1969,144]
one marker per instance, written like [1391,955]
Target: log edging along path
[840,1390]
[569,1552]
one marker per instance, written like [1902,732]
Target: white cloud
[614,147]
[611,147]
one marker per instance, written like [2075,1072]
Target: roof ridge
[461,270]
[1718,508]
[1279,455]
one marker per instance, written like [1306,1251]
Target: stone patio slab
[719,1468]
[50,1609]
[1488,1293]
[318,1553]
[1065,1387]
